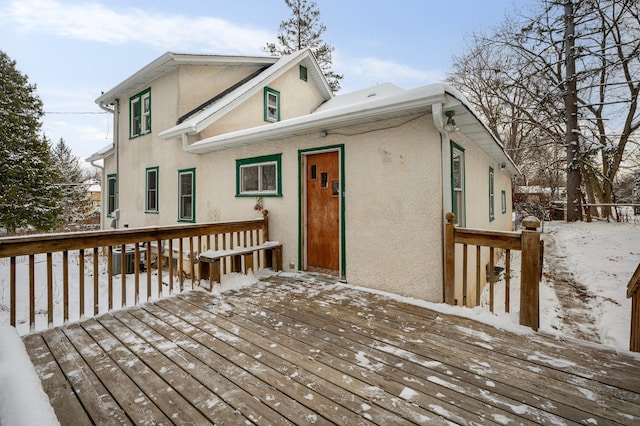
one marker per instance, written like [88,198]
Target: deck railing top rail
[67,276]
[45,243]
[527,241]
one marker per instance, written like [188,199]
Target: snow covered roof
[168,62]
[204,118]
[364,106]
[105,152]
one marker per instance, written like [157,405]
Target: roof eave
[303,125]
[167,62]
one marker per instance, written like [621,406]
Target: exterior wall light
[450,126]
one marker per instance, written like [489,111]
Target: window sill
[258,194]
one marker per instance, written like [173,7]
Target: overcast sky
[75,49]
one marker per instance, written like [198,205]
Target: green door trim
[302,153]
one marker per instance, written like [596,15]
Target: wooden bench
[210,262]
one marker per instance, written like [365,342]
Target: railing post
[265,229]
[530,274]
[633,291]
[449,261]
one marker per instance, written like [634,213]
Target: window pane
[185,184]
[185,208]
[271,106]
[457,170]
[249,178]
[186,196]
[457,183]
[152,192]
[152,179]
[151,201]
[272,100]
[146,114]
[111,193]
[268,177]
[135,116]
[457,208]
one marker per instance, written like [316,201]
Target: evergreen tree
[75,196]
[27,194]
[303,29]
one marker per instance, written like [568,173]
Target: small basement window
[259,176]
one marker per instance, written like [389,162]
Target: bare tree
[537,54]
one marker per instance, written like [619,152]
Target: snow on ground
[22,400]
[601,257]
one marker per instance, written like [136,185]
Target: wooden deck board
[288,352]
[68,407]
[550,384]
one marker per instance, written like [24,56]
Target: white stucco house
[357,185]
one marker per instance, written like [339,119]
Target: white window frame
[458,193]
[112,189]
[152,193]
[492,195]
[183,197]
[271,105]
[140,114]
[259,163]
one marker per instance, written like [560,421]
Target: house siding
[393,178]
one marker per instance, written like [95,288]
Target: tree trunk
[574,208]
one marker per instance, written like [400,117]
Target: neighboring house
[95,190]
[357,185]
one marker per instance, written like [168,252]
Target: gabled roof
[170,61]
[223,104]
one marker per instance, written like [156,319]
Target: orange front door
[323,212]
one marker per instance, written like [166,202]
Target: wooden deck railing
[633,291]
[142,252]
[528,242]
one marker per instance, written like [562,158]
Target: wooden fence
[633,291]
[528,242]
[132,253]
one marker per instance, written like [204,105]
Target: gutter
[321,121]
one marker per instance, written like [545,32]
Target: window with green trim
[503,196]
[492,215]
[457,183]
[140,114]
[187,195]
[151,202]
[259,176]
[271,105]
[112,187]
[303,73]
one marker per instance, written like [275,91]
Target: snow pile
[22,400]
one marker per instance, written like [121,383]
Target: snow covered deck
[286,351]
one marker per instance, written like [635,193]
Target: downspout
[185,142]
[116,141]
[445,150]
[111,110]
